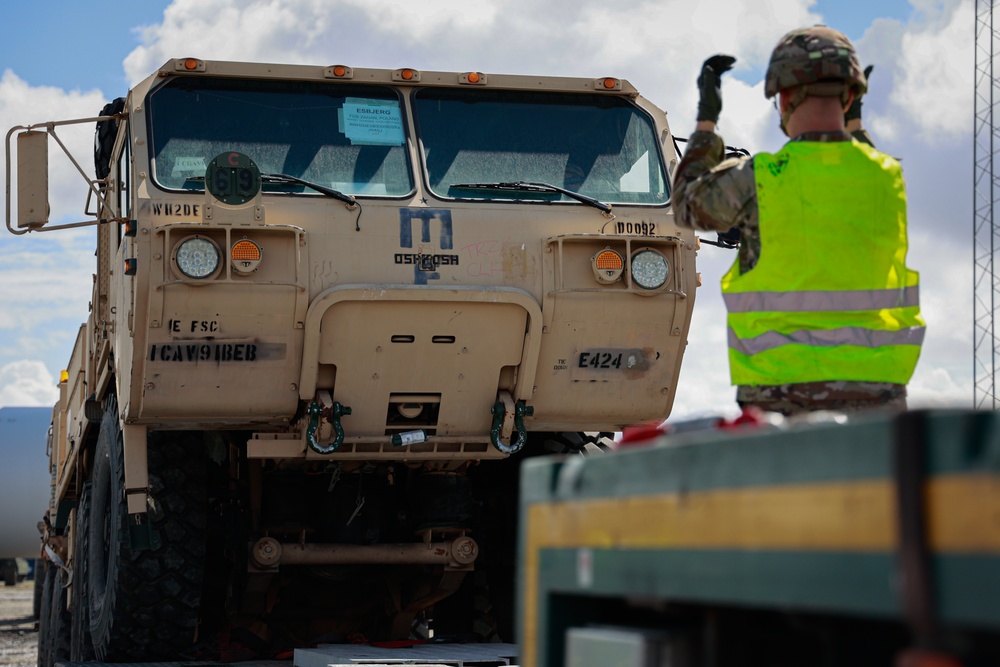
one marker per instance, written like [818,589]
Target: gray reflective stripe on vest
[822,300]
[858,336]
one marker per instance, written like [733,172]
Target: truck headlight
[650,269]
[197,257]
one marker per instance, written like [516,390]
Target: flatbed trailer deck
[333,655]
[853,543]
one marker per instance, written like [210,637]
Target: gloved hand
[710,86]
[731,237]
[854,111]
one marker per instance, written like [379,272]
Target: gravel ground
[18,637]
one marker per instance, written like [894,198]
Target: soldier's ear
[784,99]
[848,99]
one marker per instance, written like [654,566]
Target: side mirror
[32,180]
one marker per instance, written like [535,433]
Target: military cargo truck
[333,308]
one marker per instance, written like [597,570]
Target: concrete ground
[18,637]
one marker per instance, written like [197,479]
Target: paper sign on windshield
[189,165]
[377,122]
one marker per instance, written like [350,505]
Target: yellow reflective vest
[830,297]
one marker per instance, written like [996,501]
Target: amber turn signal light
[608,266]
[245,256]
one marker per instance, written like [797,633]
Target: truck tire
[571,442]
[53,628]
[36,607]
[59,620]
[81,648]
[43,572]
[144,603]
[9,571]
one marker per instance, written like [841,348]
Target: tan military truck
[333,308]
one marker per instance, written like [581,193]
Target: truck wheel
[9,572]
[36,607]
[81,647]
[570,442]
[144,603]
[59,620]
[53,628]
[44,572]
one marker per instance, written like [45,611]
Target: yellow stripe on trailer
[844,517]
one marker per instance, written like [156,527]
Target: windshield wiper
[531,186]
[329,192]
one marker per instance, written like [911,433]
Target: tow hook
[333,415]
[517,441]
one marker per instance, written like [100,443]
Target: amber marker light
[608,266]
[475,78]
[63,377]
[338,72]
[245,256]
[406,74]
[608,83]
[189,65]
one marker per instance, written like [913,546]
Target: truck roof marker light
[608,83]
[245,256]
[475,78]
[189,65]
[338,72]
[608,266]
[63,376]
[406,74]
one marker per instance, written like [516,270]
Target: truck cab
[351,300]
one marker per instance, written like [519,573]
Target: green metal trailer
[866,542]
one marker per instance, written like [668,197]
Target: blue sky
[74,44]
[59,53]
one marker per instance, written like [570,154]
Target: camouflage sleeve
[711,193]
[863,136]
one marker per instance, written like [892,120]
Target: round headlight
[197,257]
[650,269]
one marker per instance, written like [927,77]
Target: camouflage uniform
[713,194]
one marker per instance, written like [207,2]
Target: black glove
[710,86]
[731,237]
[854,111]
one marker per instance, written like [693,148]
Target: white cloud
[27,383]
[936,80]
[662,53]
[923,71]
[23,104]
[43,282]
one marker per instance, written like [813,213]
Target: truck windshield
[348,138]
[600,146]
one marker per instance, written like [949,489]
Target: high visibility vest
[830,297]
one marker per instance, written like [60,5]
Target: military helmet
[814,55]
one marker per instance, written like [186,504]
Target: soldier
[823,313]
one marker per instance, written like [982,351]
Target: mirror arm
[49,128]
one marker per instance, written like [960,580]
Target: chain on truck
[332,311]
